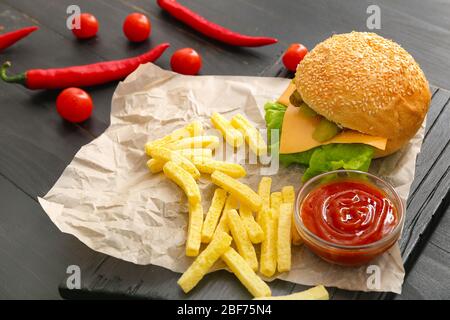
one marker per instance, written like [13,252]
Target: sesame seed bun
[367,83]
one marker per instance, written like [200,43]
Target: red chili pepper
[210,29]
[81,76]
[8,39]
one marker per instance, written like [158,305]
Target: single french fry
[213,214]
[198,142]
[155,166]
[241,191]
[275,201]
[230,203]
[163,154]
[288,194]
[193,129]
[284,238]
[195,152]
[194,229]
[232,136]
[252,136]
[204,261]
[254,284]
[240,237]
[254,231]
[184,180]
[264,192]
[268,263]
[206,165]
[222,226]
[289,197]
[315,293]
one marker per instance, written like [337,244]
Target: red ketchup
[348,213]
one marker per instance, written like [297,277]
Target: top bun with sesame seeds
[367,83]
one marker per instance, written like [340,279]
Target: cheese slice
[297,130]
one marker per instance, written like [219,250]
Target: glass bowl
[348,255]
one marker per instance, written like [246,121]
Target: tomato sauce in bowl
[348,219]
[349,213]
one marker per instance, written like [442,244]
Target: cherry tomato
[293,55]
[88,26]
[74,105]
[186,61]
[137,27]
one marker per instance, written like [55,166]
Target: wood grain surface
[36,145]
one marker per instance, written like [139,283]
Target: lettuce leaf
[320,159]
[353,156]
[274,114]
[302,158]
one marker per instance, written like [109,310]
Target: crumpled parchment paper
[109,200]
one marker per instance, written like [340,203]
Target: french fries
[195,153]
[288,194]
[269,224]
[268,263]
[240,237]
[252,136]
[182,156]
[289,197]
[315,293]
[222,226]
[163,154]
[231,203]
[257,287]
[198,142]
[264,192]
[204,261]
[275,202]
[193,129]
[194,229]
[206,165]
[184,180]
[156,166]
[232,136]
[213,214]
[242,192]
[254,231]
[284,238]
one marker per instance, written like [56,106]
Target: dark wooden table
[36,145]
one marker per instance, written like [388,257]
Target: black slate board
[429,198]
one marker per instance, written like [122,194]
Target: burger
[355,97]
